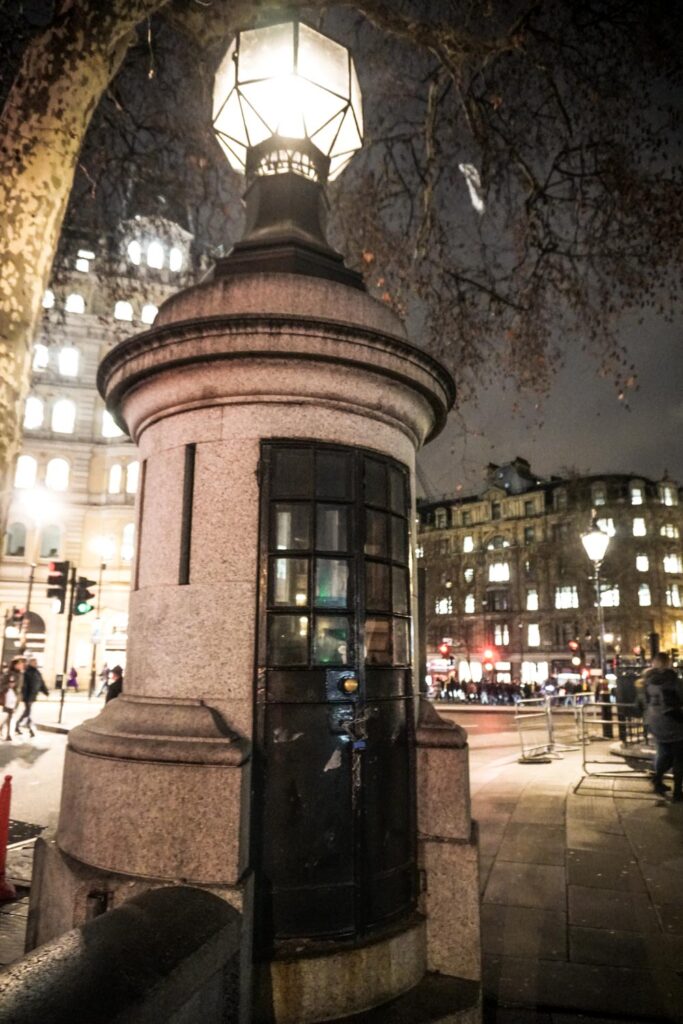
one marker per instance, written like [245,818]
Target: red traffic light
[444,649]
[573,645]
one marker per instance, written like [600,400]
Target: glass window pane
[401,642]
[291,527]
[331,582]
[377,587]
[287,640]
[378,641]
[399,590]
[376,534]
[292,472]
[331,640]
[267,52]
[323,61]
[399,539]
[331,532]
[332,475]
[397,491]
[289,581]
[375,481]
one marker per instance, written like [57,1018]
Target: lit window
[123,310]
[607,526]
[673,596]
[49,542]
[468,574]
[48,298]
[41,357]
[68,362]
[534,635]
[501,634]
[109,427]
[82,265]
[443,606]
[639,527]
[33,413]
[419,551]
[609,597]
[132,477]
[134,252]
[57,475]
[669,495]
[566,597]
[127,543]
[672,563]
[636,494]
[644,599]
[115,477]
[25,473]
[469,604]
[642,563]
[499,572]
[75,303]
[532,600]
[598,495]
[149,313]
[175,258]
[63,416]
[441,518]
[16,540]
[155,255]
[468,544]
[669,530]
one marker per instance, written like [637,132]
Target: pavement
[581,881]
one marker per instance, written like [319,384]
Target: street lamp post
[595,542]
[104,546]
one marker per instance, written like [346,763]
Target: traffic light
[490,656]
[444,650]
[577,654]
[83,596]
[58,581]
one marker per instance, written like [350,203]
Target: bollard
[62,694]
[7,890]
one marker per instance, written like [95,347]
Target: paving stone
[490,837]
[12,937]
[665,881]
[485,866]
[611,909]
[604,946]
[532,843]
[590,806]
[592,868]
[526,885]
[541,810]
[582,835]
[523,932]
[671,916]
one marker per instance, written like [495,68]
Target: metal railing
[623,724]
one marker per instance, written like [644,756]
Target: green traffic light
[83,607]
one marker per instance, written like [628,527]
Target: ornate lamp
[595,542]
[287,114]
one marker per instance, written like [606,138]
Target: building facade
[509,585]
[77,473]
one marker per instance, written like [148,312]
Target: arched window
[497,542]
[63,416]
[115,475]
[75,303]
[41,357]
[132,476]
[134,252]
[109,427]
[57,475]
[25,473]
[128,543]
[33,413]
[148,314]
[49,541]
[48,298]
[68,361]
[123,310]
[155,255]
[175,258]
[16,540]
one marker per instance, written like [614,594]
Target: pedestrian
[664,717]
[104,680]
[73,678]
[32,684]
[9,700]
[116,685]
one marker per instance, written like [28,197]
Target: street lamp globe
[595,543]
[286,98]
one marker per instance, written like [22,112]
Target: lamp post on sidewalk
[595,542]
[105,549]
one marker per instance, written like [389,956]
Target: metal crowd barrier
[546,729]
[622,724]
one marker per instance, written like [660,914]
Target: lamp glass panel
[225,80]
[290,118]
[356,99]
[233,153]
[348,137]
[266,52]
[595,544]
[230,121]
[266,99]
[319,106]
[257,129]
[324,61]
[337,165]
[324,138]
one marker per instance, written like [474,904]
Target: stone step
[438,999]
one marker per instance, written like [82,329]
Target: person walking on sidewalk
[664,717]
[33,685]
[116,684]
[9,701]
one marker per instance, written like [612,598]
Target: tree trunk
[63,74]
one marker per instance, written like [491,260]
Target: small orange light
[350,684]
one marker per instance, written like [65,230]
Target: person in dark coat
[32,685]
[664,717]
[115,684]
